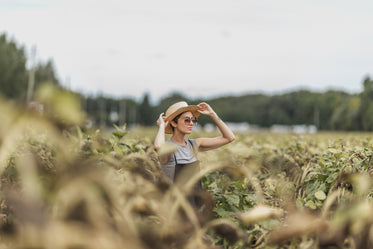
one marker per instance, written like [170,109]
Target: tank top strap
[194,147]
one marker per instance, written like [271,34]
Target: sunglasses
[187,120]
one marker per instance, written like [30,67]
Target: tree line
[330,110]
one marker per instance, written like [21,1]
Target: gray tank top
[183,155]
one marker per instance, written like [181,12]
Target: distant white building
[235,127]
[301,129]
[298,129]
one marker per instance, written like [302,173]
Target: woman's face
[185,122]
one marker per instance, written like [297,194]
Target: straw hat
[176,109]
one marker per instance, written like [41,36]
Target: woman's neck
[178,138]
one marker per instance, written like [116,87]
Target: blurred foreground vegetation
[330,110]
[64,185]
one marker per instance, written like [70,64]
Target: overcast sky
[202,48]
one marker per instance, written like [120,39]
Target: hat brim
[190,108]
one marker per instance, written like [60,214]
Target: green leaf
[320,195]
[117,150]
[310,204]
[233,200]
[119,134]
[116,127]
[222,212]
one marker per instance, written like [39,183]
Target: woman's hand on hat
[161,120]
[205,109]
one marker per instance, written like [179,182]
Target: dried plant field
[63,186]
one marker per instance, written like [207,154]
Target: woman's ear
[173,124]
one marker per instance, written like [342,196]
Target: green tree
[345,116]
[366,107]
[146,113]
[328,103]
[367,121]
[13,72]
[45,72]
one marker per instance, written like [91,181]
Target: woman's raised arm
[160,138]
[212,143]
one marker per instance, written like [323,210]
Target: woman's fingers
[201,105]
[161,119]
[204,108]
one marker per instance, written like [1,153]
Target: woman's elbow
[232,138]
[156,147]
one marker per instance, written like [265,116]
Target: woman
[179,120]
